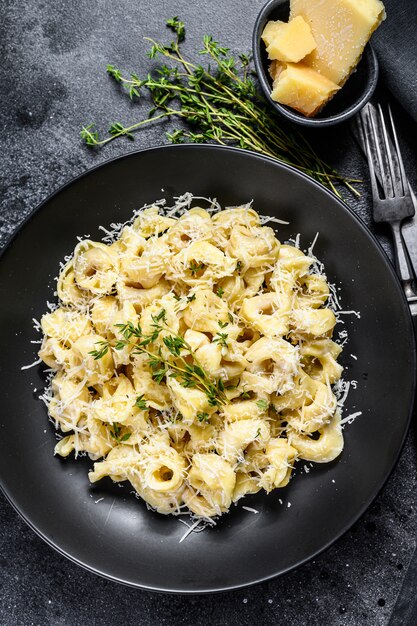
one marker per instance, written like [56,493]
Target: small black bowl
[349,100]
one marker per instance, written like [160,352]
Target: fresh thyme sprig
[220,102]
[184,366]
[221,339]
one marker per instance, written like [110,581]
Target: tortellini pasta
[192,356]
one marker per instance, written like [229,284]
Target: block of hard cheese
[288,42]
[341,29]
[271,29]
[302,88]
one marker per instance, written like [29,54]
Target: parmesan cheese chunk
[341,29]
[302,88]
[288,42]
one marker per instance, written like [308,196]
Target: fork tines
[385,165]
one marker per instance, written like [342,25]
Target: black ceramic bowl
[104,527]
[349,100]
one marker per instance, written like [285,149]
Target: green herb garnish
[221,339]
[116,433]
[220,103]
[141,403]
[195,267]
[178,27]
[181,363]
[102,351]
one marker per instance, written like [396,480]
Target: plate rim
[410,332]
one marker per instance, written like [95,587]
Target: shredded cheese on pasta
[192,355]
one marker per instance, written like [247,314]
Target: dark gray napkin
[395,42]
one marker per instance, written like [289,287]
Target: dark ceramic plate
[117,536]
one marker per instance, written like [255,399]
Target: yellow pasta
[192,357]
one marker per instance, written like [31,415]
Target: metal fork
[395,204]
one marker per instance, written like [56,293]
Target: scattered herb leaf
[221,339]
[115,433]
[195,267]
[102,351]
[141,403]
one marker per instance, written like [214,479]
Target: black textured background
[53,58]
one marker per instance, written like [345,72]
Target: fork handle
[401,261]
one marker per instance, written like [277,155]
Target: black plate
[118,537]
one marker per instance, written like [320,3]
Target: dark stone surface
[54,56]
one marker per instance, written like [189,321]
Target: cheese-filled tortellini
[96,267]
[191,354]
[211,485]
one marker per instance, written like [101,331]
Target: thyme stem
[221,102]
[189,374]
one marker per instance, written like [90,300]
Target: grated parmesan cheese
[250,509]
